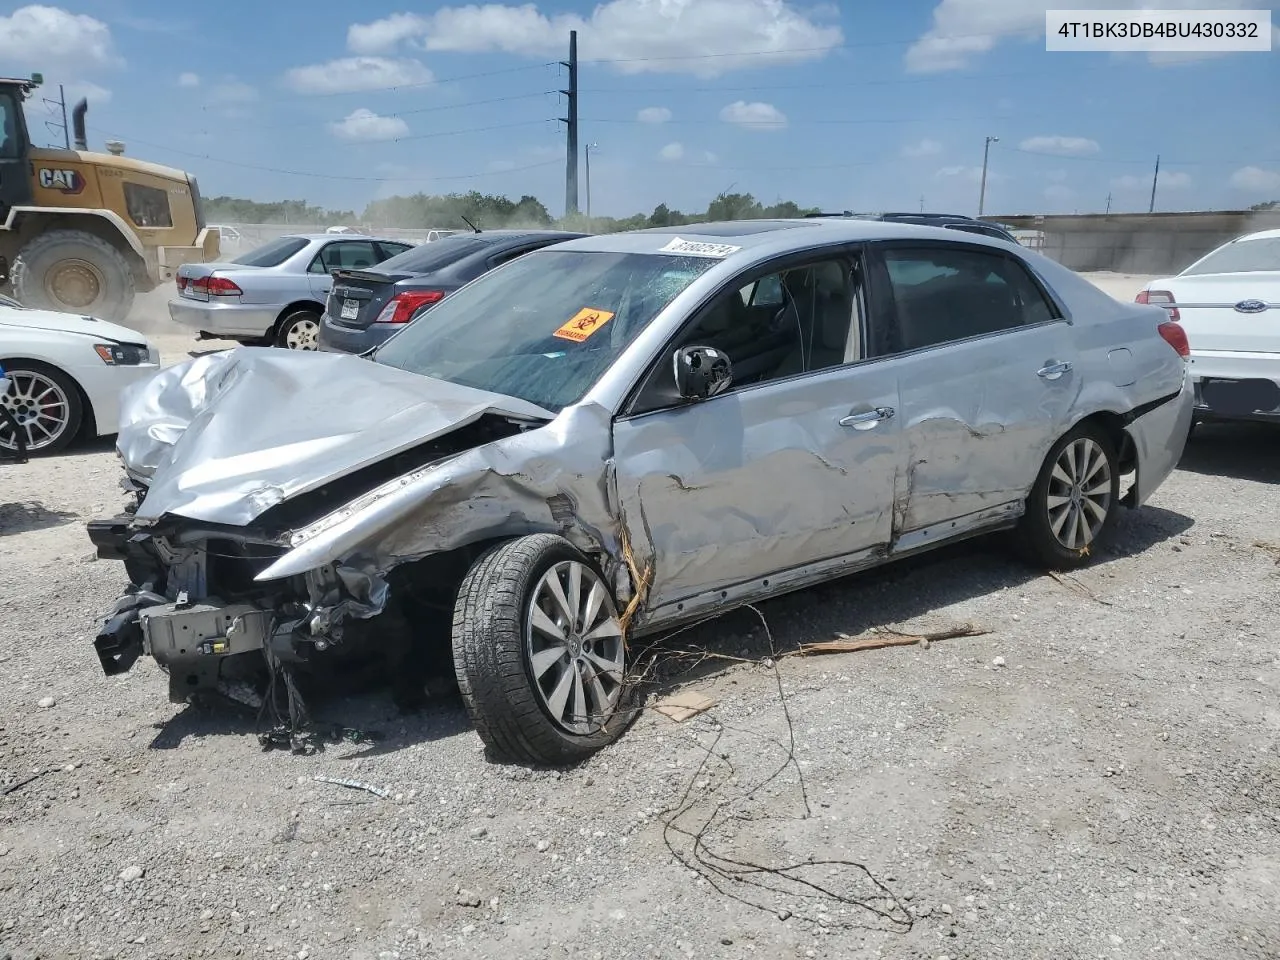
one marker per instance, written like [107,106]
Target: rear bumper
[230,319]
[1237,386]
[336,338]
[1159,436]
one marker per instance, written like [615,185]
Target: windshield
[271,254]
[544,327]
[435,255]
[1243,256]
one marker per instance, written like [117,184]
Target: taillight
[1176,337]
[215,287]
[182,283]
[402,307]
[1160,298]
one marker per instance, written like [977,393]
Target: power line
[434,82]
[334,176]
[816,86]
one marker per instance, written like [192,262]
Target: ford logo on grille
[1251,306]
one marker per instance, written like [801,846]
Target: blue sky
[865,106]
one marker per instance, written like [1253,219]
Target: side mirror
[702,372]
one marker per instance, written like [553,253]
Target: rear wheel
[1073,505]
[539,653]
[74,272]
[299,330]
[45,406]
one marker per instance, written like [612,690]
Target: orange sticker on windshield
[583,324]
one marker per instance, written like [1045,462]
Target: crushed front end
[194,606]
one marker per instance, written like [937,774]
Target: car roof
[1260,235]
[313,237]
[749,240]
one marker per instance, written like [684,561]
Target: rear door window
[344,255]
[944,294]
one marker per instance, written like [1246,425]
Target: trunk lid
[358,296]
[1210,309]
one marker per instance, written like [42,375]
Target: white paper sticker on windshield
[698,249]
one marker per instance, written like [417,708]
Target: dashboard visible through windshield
[545,327]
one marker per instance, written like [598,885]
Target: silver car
[274,294]
[622,434]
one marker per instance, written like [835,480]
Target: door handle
[1053,371]
[867,420]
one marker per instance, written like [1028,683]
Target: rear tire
[46,403]
[1074,503]
[299,330]
[74,272]
[541,673]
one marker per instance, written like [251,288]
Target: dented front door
[758,482]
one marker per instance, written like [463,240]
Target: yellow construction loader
[83,232]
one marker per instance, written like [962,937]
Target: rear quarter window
[435,255]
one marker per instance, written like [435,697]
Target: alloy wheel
[40,407]
[574,646]
[1079,495]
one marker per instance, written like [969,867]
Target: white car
[1228,302]
[66,373]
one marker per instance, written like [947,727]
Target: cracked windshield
[611,479]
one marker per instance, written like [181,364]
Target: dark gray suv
[365,307]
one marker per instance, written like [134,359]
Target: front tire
[74,272]
[300,330]
[1073,506]
[46,405]
[539,653]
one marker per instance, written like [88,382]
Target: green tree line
[486,210]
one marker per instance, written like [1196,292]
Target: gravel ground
[1094,777]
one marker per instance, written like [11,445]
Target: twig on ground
[355,785]
[879,637]
[1078,588]
[14,787]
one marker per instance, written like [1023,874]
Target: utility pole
[922,204]
[571,123]
[1154,180]
[982,192]
[1108,204]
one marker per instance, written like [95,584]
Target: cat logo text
[64,181]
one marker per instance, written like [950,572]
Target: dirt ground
[1095,777]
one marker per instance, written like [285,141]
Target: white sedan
[65,375]
[1228,302]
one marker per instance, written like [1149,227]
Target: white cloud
[1058,193]
[963,30]
[188,80]
[382,36]
[497,166]
[1057,176]
[709,157]
[353,74]
[46,38]
[1065,146]
[83,90]
[672,151]
[654,115]
[364,124]
[1175,180]
[701,37]
[924,148]
[1256,179]
[232,91]
[754,116]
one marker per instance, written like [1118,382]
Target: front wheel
[539,653]
[1072,507]
[45,407]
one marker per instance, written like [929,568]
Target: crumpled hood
[70,323]
[224,437]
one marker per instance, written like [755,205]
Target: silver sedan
[274,294]
[625,433]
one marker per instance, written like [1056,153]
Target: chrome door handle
[1053,371]
[867,420]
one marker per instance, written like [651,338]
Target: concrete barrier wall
[1161,243]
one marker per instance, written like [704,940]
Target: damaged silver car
[621,434]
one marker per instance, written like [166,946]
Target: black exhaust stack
[77,125]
